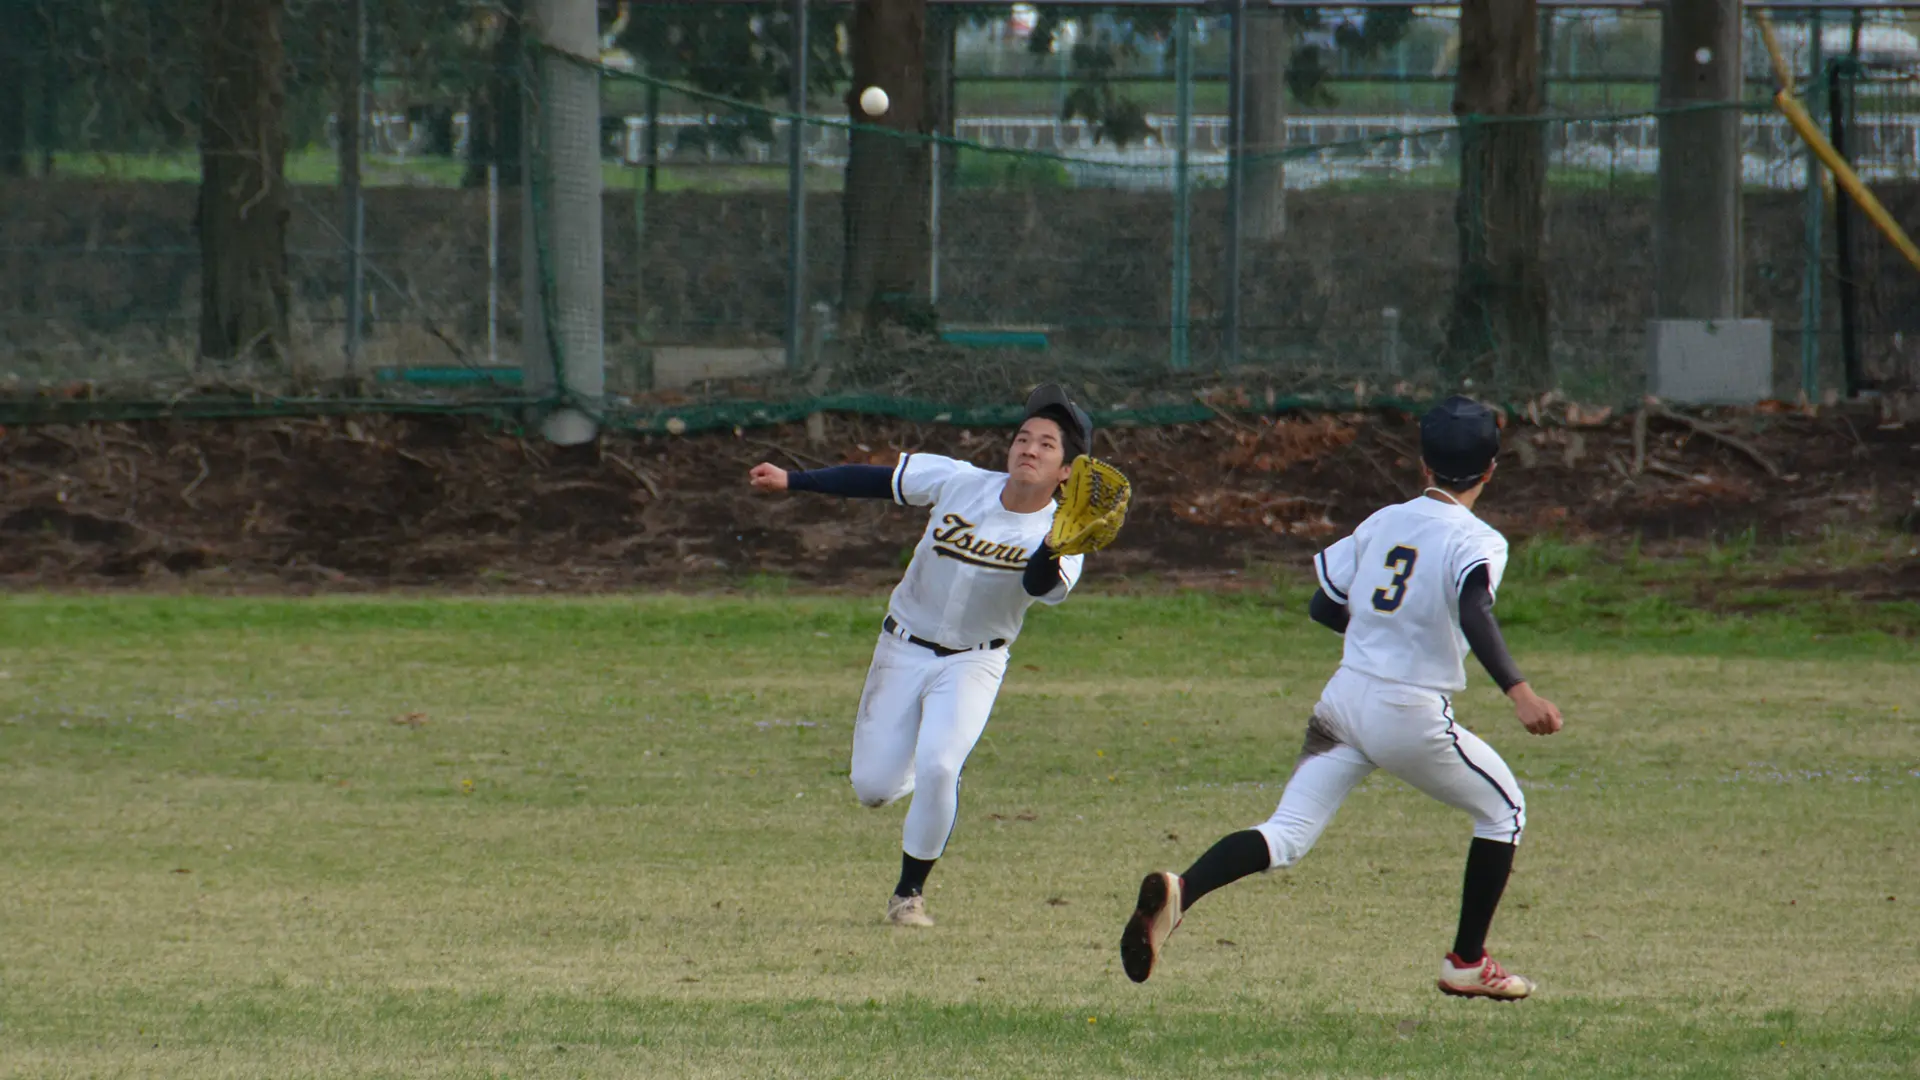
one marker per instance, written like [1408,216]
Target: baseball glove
[1092,507]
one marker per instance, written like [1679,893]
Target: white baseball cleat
[908,911]
[1484,978]
[1155,916]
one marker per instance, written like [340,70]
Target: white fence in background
[1335,148]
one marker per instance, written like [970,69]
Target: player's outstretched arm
[850,481]
[1489,646]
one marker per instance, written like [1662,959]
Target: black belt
[893,627]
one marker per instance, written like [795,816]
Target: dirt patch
[389,502]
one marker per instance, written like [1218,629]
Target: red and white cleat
[1483,978]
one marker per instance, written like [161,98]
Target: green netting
[1042,225]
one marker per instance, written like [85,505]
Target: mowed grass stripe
[616,838]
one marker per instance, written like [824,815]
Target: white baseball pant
[1362,723]
[920,716]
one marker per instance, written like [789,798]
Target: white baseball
[873,101]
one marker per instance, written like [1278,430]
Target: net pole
[493,264]
[796,189]
[567,171]
[1182,202]
[1838,100]
[1810,293]
[353,126]
[933,227]
[1236,178]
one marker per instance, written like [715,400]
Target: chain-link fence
[1154,203]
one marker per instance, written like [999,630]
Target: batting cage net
[1173,214]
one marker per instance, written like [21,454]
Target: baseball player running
[942,651]
[1412,590]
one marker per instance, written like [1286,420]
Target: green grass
[613,837]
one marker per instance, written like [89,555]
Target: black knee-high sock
[1489,862]
[1235,856]
[913,875]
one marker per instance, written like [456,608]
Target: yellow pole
[1803,123]
[1783,75]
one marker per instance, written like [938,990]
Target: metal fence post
[797,189]
[1182,191]
[1236,177]
[1810,294]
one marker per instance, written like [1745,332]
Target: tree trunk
[887,245]
[16,47]
[493,135]
[1264,201]
[1697,225]
[1498,335]
[243,197]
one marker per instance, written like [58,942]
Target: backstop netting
[1067,206]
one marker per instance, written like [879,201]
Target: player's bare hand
[1537,714]
[765,477]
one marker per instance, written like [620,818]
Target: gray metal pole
[797,190]
[1182,187]
[353,128]
[653,136]
[1810,293]
[1236,178]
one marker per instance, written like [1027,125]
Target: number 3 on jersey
[1400,560]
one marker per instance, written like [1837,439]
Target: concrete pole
[1697,222]
[565,256]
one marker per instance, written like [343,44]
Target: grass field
[614,837]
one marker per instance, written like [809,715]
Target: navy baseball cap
[1459,438]
[1051,401]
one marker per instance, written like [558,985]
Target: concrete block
[1710,361]
[676,367]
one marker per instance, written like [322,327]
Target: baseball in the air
[873,101]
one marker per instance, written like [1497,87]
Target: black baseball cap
[1459,438]
[1051,401]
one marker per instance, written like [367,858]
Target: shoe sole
[1136,941]
[1452,991]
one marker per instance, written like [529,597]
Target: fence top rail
[1228,6]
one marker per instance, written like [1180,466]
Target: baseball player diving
[1412,590]
[995,543]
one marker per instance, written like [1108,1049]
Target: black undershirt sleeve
[1483,632]
[1042,574]
[852,481]
[1327,611]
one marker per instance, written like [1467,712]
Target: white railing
[1330,148]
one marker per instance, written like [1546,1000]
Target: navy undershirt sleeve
[1328,612]
[851,481]
[1483,632]
[1042,574]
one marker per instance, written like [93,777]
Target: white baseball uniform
[921,713]
[1389,706]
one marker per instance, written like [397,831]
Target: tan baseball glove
[1093,505]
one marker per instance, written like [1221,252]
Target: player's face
[1037,455]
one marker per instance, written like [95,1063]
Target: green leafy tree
[742,54]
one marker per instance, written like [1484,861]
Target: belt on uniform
[892,626]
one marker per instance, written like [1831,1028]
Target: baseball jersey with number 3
[1399,575]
